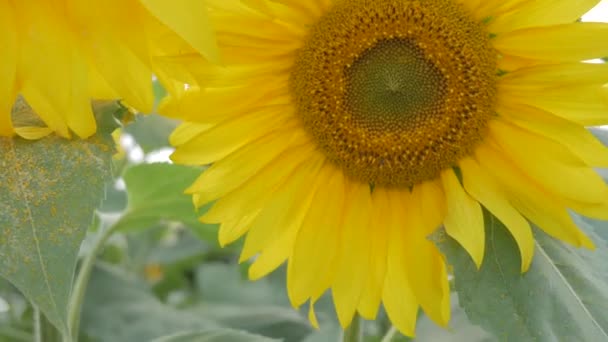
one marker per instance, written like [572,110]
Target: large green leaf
[561,298]
[156,193]
[272,321]
[121,308]
[49,189]
[215,335]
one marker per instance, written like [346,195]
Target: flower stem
[82,281]
[354,333]
[390,335]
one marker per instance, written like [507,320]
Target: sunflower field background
[98,241]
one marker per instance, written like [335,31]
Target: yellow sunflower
[60,54]
[342,133]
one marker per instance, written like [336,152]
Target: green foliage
[155,193]
[215,335]
[562,297]
[48,191]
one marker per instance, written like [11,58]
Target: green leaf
[49,189]
[156,192]
[223,284]
[562,297]
[272,321]
[215,335]
[151,132]
[121,308]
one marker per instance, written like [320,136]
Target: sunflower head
[394,92]
[342,133]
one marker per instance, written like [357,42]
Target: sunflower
[58,55]
[342,133]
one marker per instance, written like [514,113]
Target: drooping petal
[354,253]
[535,203]
[464,220]
[479,185]
[8,66]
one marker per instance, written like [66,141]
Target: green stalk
[82,281]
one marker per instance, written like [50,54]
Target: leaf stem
[390,334]
[82,281]
[37,325]
[354,333]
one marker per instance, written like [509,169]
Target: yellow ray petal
[33,133]
[232,230]
[541,13]
[375,267]
[353,253]
[397,296]
[279,246]
[555,75]
[314,256]
[560,43]
[426,268]
[189,19]
[432,204]
[484,189]
[544,209]
[186,132]
[586,105]
[277,202]
[8,66]
[232,171]
[464,219]
[224,138]
[539,157]
[573,136]
[254,193]
[120,52]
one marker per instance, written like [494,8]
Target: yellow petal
[232,230]
[8,66]
[33,133]
[276,201]
[539,157]
[375,267]
[573,136]
[464,219]
[555,75]
[312,317]
[545,210]
[279,246]
[186,132]
[397,296]
[115,42]
[541,13]
[224,138]
[479,185]
[313,261]
[559,43]
[189,19]
[586,105]
[353,253]
[229,173]
[426,268]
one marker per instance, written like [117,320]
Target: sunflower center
[390,83]
[395,91]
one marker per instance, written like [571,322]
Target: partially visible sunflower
[342,133]
[60,54]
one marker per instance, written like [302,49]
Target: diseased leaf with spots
[561,298]
[49,189]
